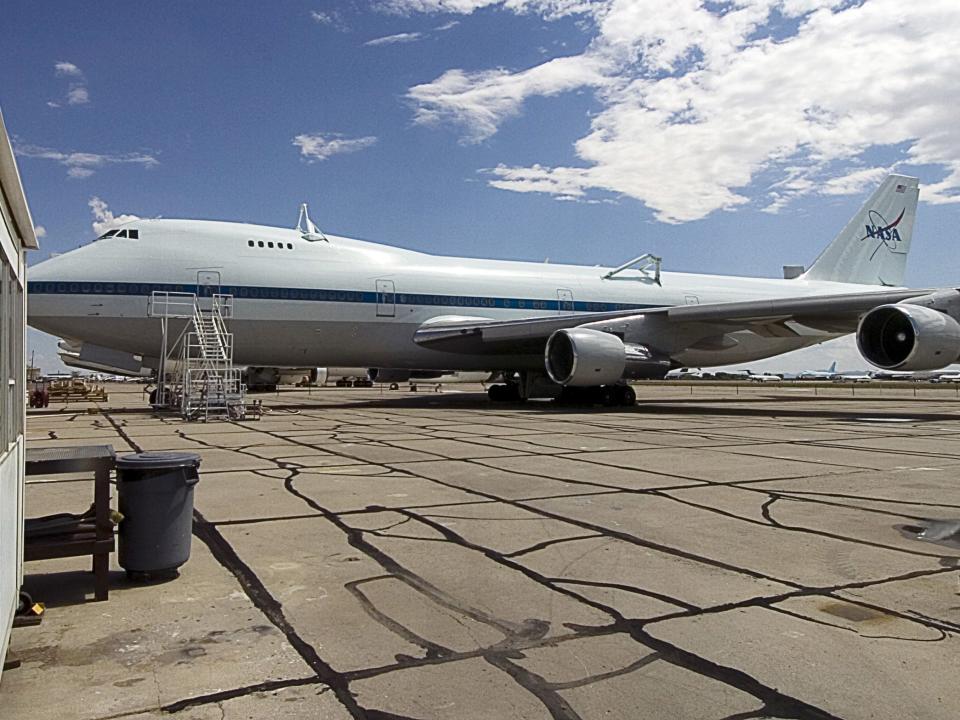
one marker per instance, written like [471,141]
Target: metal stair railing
[206,384]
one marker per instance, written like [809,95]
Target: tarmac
[714,552]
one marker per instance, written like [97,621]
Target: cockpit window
[131,234]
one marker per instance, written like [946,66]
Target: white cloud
[83,164]
[699,100]
[66,69]
[408,37]
[77,93]
[406,7]
[550,9]
[392,39]
[104,219]
[40,231]
[320,146]
[329,17]
[481,101]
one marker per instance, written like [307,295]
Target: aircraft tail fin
[872,249]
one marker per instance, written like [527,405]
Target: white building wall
[16,235]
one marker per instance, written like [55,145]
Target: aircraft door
[386,299]
[565,301]
[208,283]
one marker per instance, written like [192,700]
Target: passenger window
[260,243]
[250,243]
[269,244]
[289,246]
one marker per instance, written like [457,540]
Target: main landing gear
[606,395]
[504,393]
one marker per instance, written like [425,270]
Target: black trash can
[155,491]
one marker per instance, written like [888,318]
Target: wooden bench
[96,538]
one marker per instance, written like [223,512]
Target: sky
[727,137]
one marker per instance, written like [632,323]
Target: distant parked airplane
[303,298]
[819,374]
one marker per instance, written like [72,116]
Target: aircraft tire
[610,396]
[627,396]
[504,393]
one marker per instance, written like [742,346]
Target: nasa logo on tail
[884,233]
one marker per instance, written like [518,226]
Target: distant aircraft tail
[872,249]
[833,367]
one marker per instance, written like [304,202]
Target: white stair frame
[206,385]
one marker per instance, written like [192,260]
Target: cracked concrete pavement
[365,554]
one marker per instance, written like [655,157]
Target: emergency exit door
[386,298]
[208,283]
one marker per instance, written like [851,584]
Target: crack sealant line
[780,705]
[518,645]
[223,695]
[835,626]
[513,632]
[775,703]
[798,496]
[355,539]
[764,601]
[798,589]
[617,534]
[261,598]
[258,594]
[503,560]
[122,433]
[816,711]
[867,498]
[774,524]
[545,544]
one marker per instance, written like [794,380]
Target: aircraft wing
[827,313]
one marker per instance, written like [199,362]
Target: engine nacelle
[388,375]
[908,337]
[399,375]
[583,357]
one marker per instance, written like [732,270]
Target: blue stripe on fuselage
[38,287]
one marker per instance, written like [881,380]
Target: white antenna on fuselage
[306,228]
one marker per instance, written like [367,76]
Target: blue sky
[727,137]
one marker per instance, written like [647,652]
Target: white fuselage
[354,303]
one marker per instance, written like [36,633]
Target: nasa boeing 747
[305,299]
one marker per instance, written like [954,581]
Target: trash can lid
[158,460]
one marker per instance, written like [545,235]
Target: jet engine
[399,375]
[583,357]
[388,375]
[908,337]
